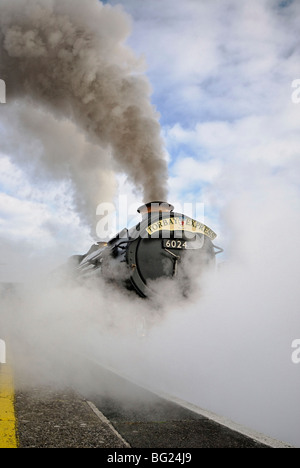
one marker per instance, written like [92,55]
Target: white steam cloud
[228,347]
[70,78]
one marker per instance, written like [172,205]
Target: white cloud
[221,72]
[221,59]
[189,175]
[38,228]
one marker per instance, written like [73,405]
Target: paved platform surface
[122,415]
[60,419]
[149,421]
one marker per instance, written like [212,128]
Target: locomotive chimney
[155,207]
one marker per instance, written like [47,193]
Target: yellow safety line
[8,426]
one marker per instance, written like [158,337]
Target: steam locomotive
[165,244]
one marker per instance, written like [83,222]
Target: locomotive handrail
[219,249]
[129,241]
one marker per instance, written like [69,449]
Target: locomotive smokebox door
[166,238]
[148,262]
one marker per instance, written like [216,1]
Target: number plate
[177,244]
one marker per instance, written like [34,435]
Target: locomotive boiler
[165,244]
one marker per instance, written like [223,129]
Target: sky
[221,74]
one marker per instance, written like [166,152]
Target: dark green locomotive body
[165,244]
